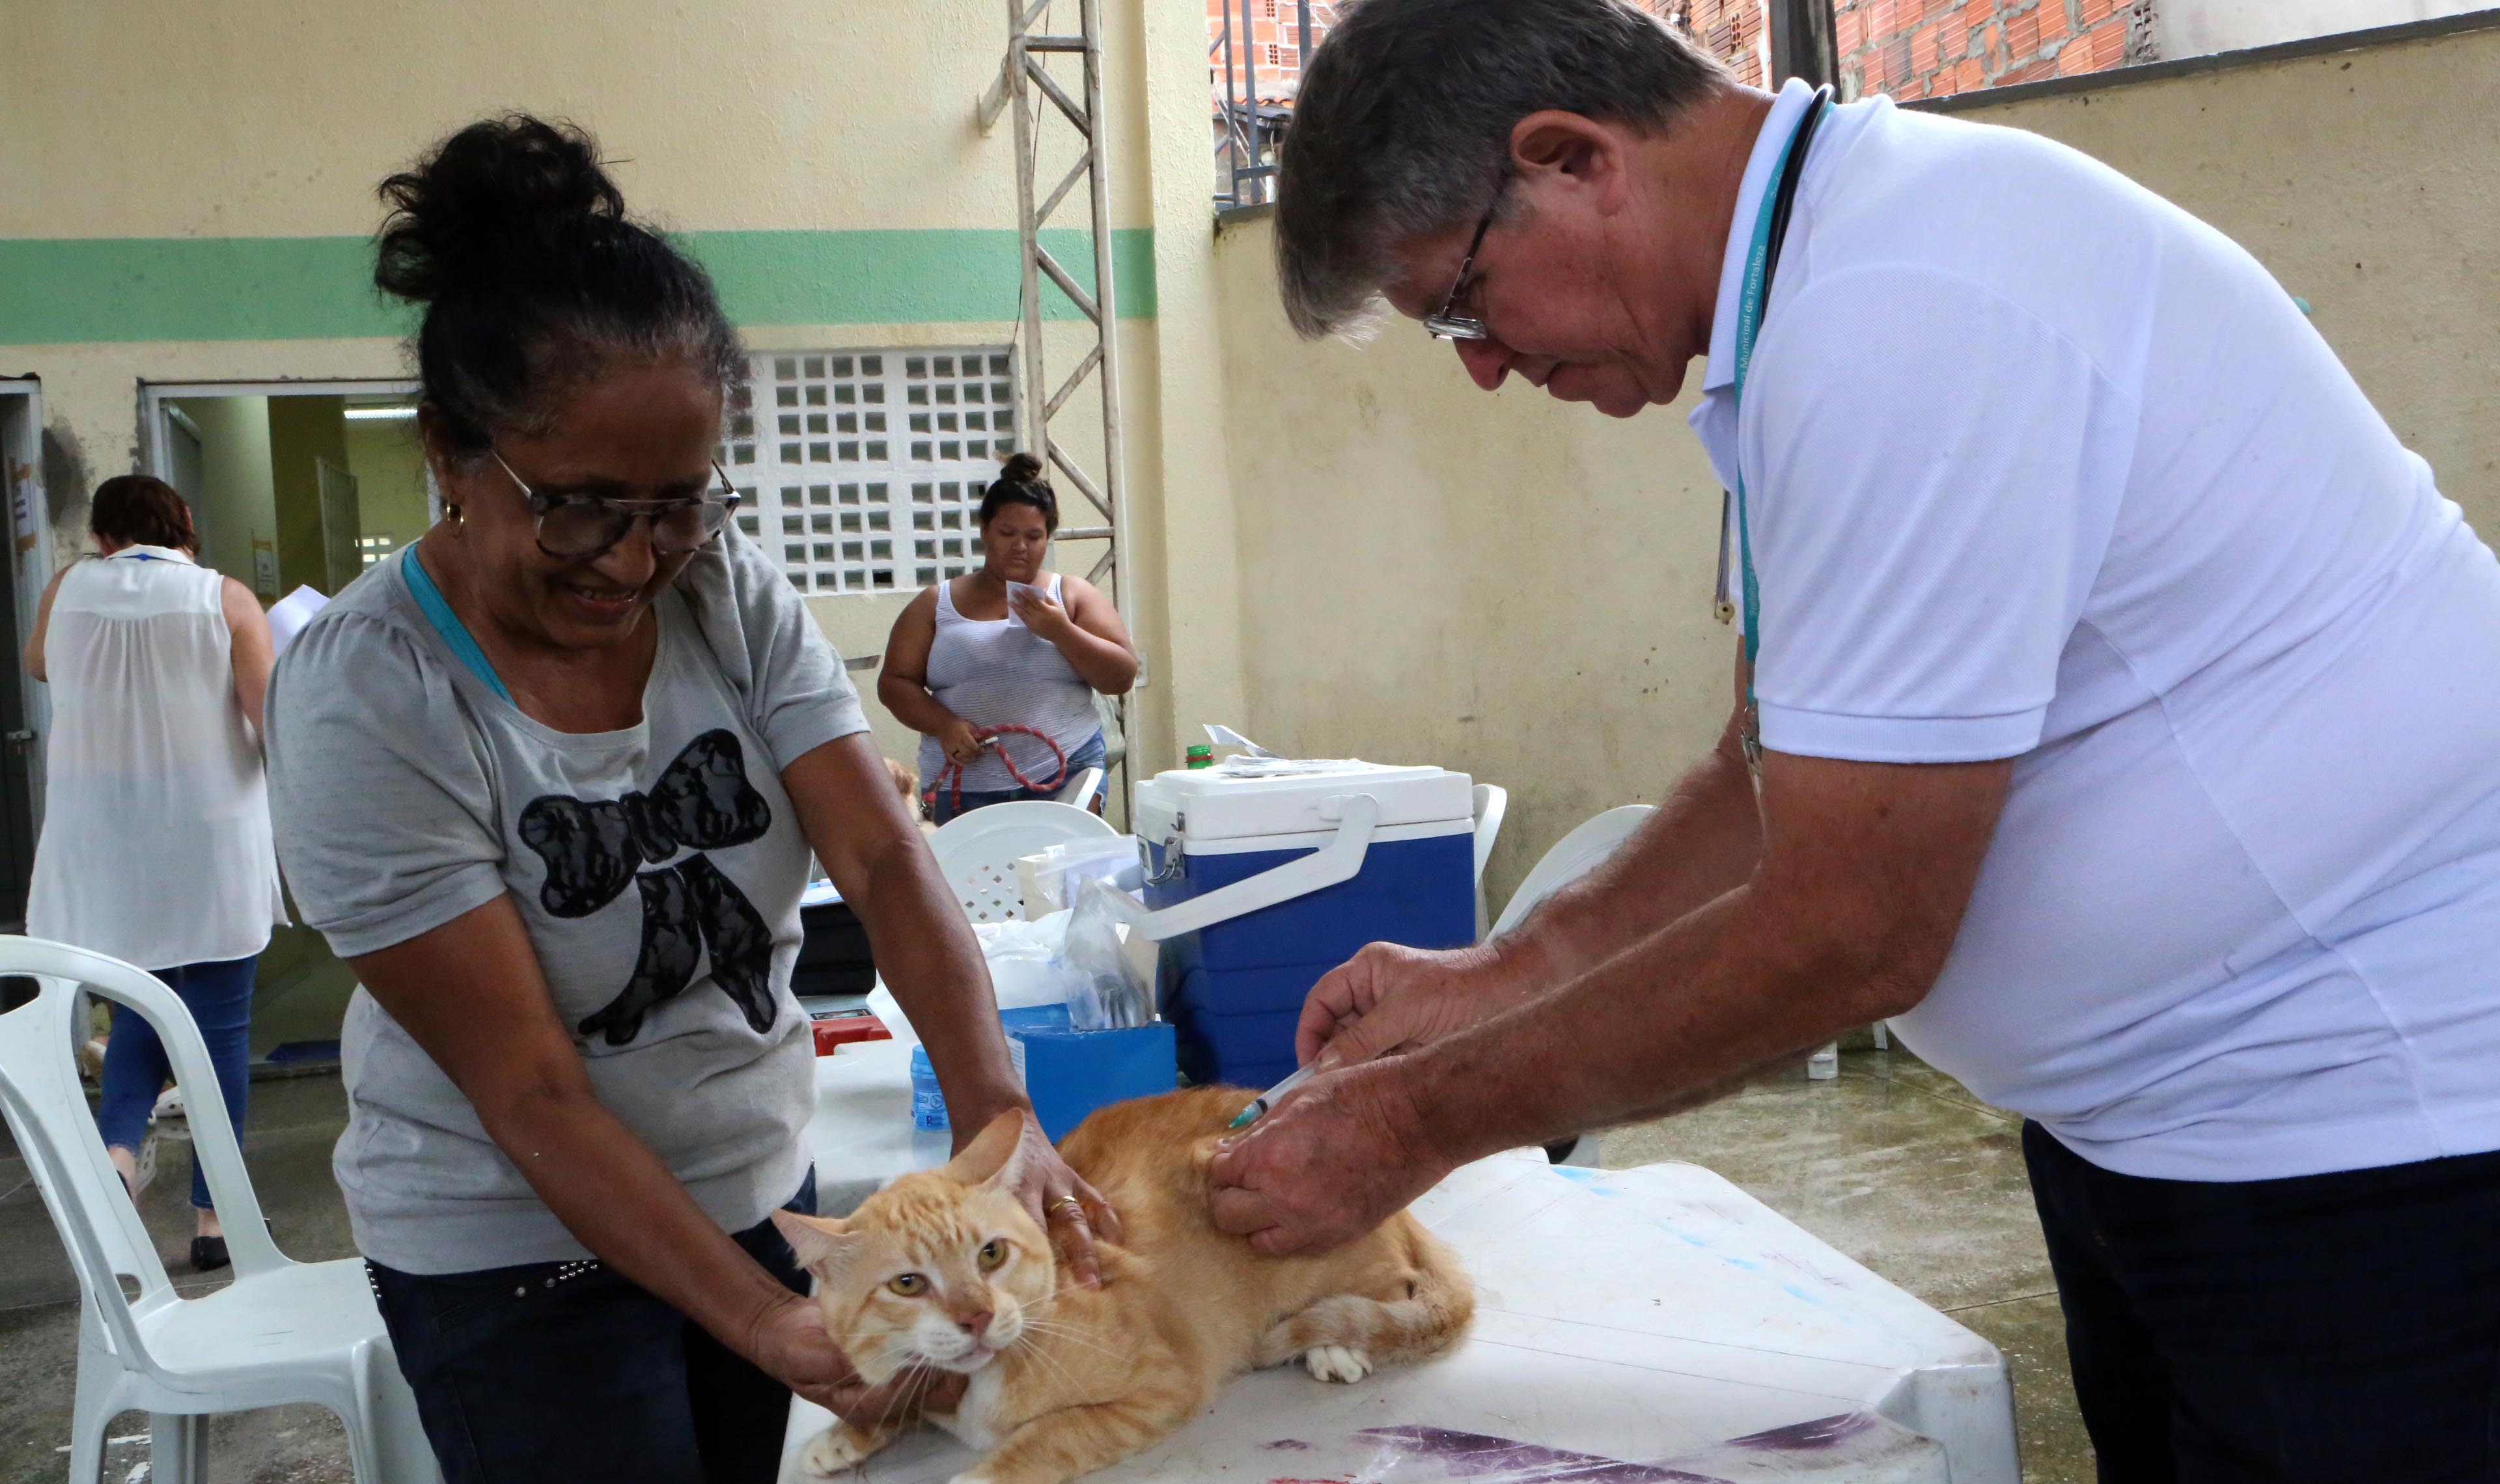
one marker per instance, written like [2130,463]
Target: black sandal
[208,1254]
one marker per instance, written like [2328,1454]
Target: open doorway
[24,713]
[291,486]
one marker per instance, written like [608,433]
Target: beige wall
[1521,589]
[238,505]
[301,431]
[389,466]
[734,116]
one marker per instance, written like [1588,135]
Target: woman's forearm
[471,994]
[1106,665]
[619,1200]
[926,955]
[917,932]
[913,704]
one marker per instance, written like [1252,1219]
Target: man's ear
[1564,161]
[824,1245]
[994,1158]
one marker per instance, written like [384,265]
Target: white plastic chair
[978,850]
[283,1331]
[1493,801]
[1572,857]
[1079,793]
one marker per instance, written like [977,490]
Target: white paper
[289,615]
[1029,590]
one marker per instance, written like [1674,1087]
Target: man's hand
[790,1345]
[1330,1163]
[1388,999]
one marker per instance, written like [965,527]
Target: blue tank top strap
[448,625]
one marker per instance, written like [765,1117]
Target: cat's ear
[991,1158]
[822,1244]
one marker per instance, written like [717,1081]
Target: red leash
[955,770]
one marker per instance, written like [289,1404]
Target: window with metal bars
[862,470]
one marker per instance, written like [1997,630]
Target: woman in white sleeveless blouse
[157,845]
[973,653]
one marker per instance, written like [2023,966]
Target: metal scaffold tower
[1031,48]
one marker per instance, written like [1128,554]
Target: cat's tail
[1424,1312]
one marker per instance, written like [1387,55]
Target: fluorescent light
[380,413]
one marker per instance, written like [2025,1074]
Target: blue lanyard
[447,626]
[1769,222]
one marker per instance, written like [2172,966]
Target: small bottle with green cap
[1201,755]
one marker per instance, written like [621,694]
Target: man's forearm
[1701,844]
[1669,1023]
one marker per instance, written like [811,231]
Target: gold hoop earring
[452,513]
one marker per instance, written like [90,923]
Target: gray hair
[1403,126]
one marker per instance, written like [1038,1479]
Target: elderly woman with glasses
[549,780]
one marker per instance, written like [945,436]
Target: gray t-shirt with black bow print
[657,870]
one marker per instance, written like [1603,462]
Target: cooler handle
[1339,860]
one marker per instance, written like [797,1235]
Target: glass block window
[862,470]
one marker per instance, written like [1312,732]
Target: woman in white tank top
[156,843]
[972,654]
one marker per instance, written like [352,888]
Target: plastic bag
[1050,880]
[1026,968]
[1109,987]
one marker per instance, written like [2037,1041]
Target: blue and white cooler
[1264,873]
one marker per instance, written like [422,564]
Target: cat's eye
[910,1285]
[994,1254]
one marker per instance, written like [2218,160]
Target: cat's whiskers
[1029,1345]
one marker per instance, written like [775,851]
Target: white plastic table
[1633,1327]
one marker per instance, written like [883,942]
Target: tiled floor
[1894,1163]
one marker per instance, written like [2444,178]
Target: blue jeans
[2327,1329]
[569,1370]
[218,997]
[942,806]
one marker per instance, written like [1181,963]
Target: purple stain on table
[1805,1436]
[1475,1455]
[1289,1445]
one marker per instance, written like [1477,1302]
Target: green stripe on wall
[75,290]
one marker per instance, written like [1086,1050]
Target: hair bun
[1021,469]
[491,202]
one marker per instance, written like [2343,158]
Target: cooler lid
[1252,795]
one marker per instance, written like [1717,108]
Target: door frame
[31,529]
[155,459]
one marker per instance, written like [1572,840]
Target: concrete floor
[1894,1163]
[290,1129]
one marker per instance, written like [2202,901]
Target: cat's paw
[1336,1363]
[970,1477]
[833,1450]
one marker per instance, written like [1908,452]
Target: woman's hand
[1388,999]
[960,741]
[790,1345]
[1034,609]
[1072,1211]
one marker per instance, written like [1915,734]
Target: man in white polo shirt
[2123,702]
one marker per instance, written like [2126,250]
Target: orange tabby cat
[945,1269]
